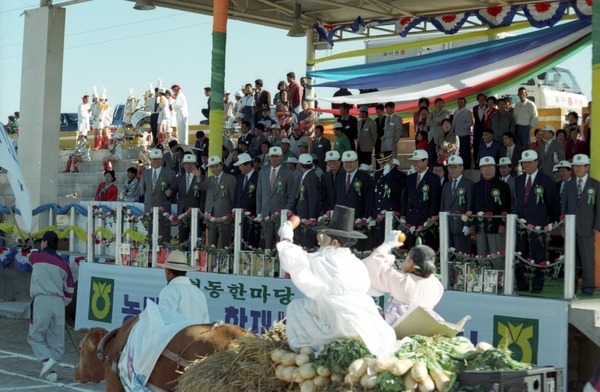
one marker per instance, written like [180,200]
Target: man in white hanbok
[336,285]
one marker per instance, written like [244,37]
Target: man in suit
[565,175]
[536,202]
[512,151]
[479,113]
[262,98]
[276,190]
[246,136]
[349,125]
[457,198]
[367,136]
[220,197]
[245,197]
[582,200]
[354,189]
[320,146]
[156,187]
[170,157]
[505,174]
[328,180]
[190,189]
[420,198]
[308,200]
[551,152]
[490,196]
[387,192]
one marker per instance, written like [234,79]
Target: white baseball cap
[555,168]
[305,159]
[189,158]
[455,160]
[364,167]
[275,151]
[332,156]
[548,128]
[349,156]
[487,161]
[528,156]
[155,153]
[291,159]
[419,155]
[566,164]
[239,93]
[580,159]
[337,125]
[242,159]
[215,159]
[285,140]
[504,161]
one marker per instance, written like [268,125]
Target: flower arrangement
[104,214]
[102,236]
[483,261]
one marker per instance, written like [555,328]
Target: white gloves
[466,231]
[391,239]
[386,169]
[286,232]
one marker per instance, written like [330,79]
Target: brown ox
[99,353]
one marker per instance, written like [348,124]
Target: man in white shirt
[180,294]
[83,116]
[526,117]
[180,106]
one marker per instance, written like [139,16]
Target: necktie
[579,187]
[562,190]
[273,174]
[245,182]
[154,178]
[454,186]
[527,188]
[188,182]
[418,179]
[348,178]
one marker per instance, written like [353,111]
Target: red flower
[469,213]
[495,10]
[542,7]
[406,20]
[489,214]
[543,263]
[419,228]
[504,213]
[96,241]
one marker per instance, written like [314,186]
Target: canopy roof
[280,13]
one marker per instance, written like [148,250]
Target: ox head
[89,367]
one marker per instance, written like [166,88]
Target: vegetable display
[420,364]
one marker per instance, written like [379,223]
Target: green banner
[519,335]
[101,299]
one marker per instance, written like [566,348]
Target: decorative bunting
[583,9]
[451,23]
[497,16]
[406,24]
[545,14]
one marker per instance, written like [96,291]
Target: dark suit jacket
[309,196]
[269,201]
[485,202]
[193,198]
[413,207]
[537,213]
[262,99]
[587,214]
[514,159]
[387,191]
[452,202]
[219,202]
[328,182]
[320,148]
[156,197]
[359,194]
[245,198]
[549,158]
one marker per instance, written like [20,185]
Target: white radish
[307,386]
[440,379]
[296,377]
[383,364]
[427,384]
[277,354]
[336,377]
[400,367]
[279,371]
[323,371]
[483,346]
[350,380]
[368,381]
[301,359]
[358,368]
[307,371]
[321,381]
[287,374]
[288,359]
[307,350]
[419,371]
[409,383]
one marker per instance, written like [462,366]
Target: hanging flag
[10,162]
[451,23]
[404,25]
[545,14]
[583,9]
[497,16]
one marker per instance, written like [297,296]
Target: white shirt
[526,114]
[183,297]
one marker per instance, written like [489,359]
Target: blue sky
[108,44]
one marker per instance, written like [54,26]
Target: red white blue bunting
[6,256]
[497,16]
[451,23]
[406,24]
[20,257]
[583,8]
[545,14]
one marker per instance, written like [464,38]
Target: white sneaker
[52,377]
[48,365]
